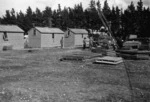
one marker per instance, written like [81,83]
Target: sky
[41,4]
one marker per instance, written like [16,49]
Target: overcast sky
[41,4]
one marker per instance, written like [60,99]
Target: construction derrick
[105,24]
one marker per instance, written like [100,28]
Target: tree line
[132,20]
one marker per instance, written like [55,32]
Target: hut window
[5,37]
[34,32]
[53,36]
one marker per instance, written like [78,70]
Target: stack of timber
[137,48]
[134,54]
[109,60]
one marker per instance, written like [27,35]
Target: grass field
[40,76]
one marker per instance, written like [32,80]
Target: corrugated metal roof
[49,30]
[10,28]
[78,31]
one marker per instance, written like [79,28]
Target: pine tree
[38,19]
[13,16]
[93,17]
[7,18]
[10,17]
[65,18]
[92,4]
[106,10]
[28,19]
[114,24]
[140,18]
[47,17]
[71,17]
[140,6]
[29,13]
[21,20]
[87,19]
[54,17]
[79,16]
[59,17]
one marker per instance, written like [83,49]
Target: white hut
[13,35]
[74,37]
[40,37]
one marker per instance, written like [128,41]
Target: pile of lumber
[134,54]
[109,60]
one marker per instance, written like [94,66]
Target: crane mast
[103,19]
[105,22]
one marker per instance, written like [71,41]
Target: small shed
[40,37]
[13,35]
[74,37]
